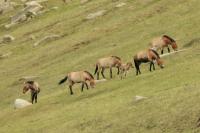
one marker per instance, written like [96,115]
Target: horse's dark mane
[116,57]
[30,82]
[89,74]
[172,40]
[156,53]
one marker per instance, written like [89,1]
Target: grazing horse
[108,62]
[33,87]
[78,77]
[147,56]
[124,68]
[161,42]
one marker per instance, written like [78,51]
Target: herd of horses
[147,56]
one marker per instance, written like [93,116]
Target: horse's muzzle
[162,66]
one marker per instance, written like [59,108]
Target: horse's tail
[96,69]
[63,80]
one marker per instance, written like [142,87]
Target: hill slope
[173,92]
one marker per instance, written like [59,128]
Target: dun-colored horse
[147,56]
[33,87]
[108,62]
[79,77]
[161,42]
[124,68]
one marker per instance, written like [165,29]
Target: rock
[84,1]
[99,81]
[46,39]
[139,98]
[2,56]
[7,39]
[96,14]
[120,4]
[32,8]
[54,8]
[20,103]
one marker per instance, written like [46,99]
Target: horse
[124,68]
[160,43]
[149,55]
[33,87]
[78,77]
[107,62]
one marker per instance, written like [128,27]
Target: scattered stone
[7,39]
[99,81]
[139,98]
[2,56]
[84,1]
[47,39]
[120,5]
[21,103]
[54,8]
[96,14]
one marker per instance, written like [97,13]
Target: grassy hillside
[173,92]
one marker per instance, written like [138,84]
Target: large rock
[31,9]
[20,103]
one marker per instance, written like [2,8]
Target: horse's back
[77,76]
[106,62]
[157,43]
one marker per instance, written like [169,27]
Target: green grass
[173,92]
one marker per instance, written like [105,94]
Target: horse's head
[174,46]
[130,64]
[92,83]
[160,63]
[25,88]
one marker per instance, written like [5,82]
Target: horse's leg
[102,72]
[32,97]
[110,72]
[153,66]
[139,68]
[86,85]
[168,49]
[36,97]
[82,86]
[70,87]
[125,72]
[162,50]
[98,74]
[117,70]
[151,63]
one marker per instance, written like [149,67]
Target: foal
[161,42]
[124,68]
[33,87]
[147,56]
[108,62]
[78,77]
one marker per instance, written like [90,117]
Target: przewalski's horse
[161,42]
[33,87]
[149,55]
[78,77]
[108,62]
[124,68]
